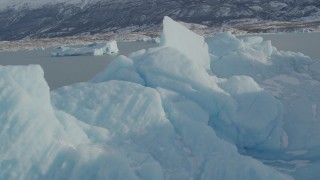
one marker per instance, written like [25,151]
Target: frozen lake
[60,71]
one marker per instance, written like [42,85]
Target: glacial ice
[95,49]
[292,78]
[227,108]
[149,40]
[193,47]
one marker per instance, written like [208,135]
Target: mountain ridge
[98,17]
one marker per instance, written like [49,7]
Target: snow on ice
[228,108]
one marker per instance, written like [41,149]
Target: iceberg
[220,108]
[292,79]
[153,40]
[31,133]
[95,49]
[192,45]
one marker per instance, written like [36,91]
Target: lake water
[306,43]
[60,71]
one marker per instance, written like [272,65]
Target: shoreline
[239,29]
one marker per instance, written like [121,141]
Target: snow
[18,4]
[278,5]
[228,108]
[95,49]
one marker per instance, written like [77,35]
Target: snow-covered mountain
[44,18]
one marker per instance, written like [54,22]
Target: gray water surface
[306,43]
[61,71]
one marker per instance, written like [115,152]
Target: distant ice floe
[149,40]
[95,49]
[225,108]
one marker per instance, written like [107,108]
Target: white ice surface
[95,49]
[293,79]
[184,110]
[192,45]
